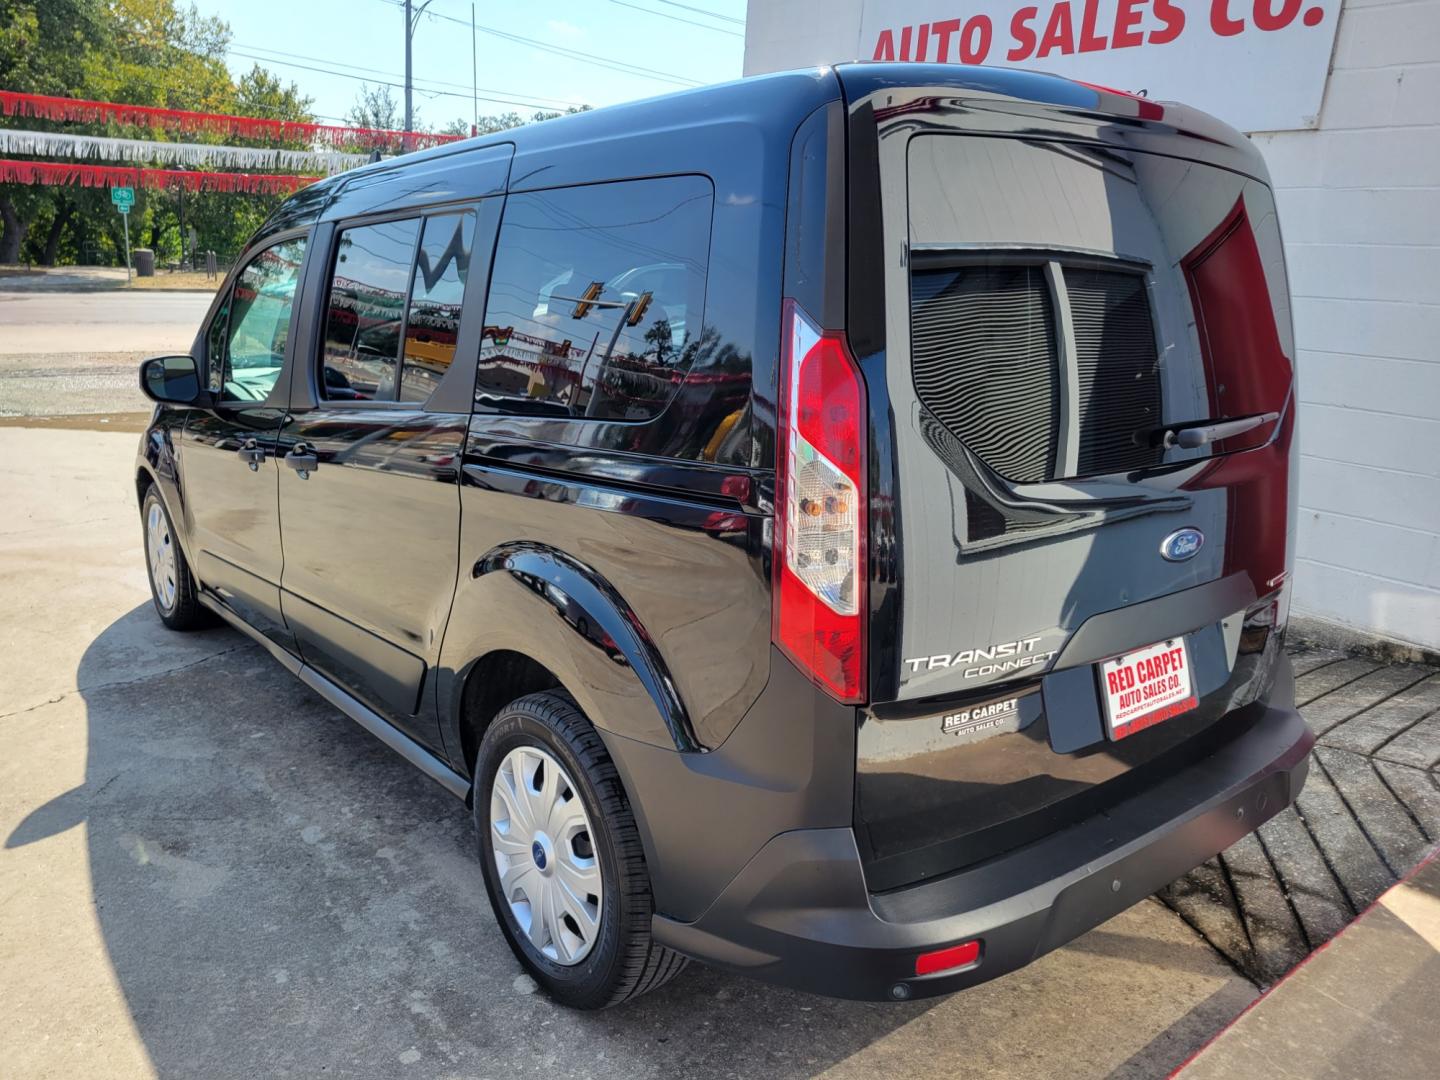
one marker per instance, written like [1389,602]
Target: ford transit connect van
[836,525]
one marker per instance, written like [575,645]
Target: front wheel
[172,588]
[562,857]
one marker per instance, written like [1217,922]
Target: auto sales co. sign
[1259,65]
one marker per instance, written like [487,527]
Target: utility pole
[412,16]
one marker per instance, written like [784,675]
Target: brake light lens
[820,568]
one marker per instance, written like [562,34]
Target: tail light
[820,569]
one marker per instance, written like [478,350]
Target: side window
[442,266]
[366,310]
[596,298]
[248,337]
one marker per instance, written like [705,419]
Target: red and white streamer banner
[66,174]
[61,144]
[75,110]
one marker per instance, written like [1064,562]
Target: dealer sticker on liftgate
[1147,686]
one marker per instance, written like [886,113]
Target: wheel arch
[487,686]
[528,613]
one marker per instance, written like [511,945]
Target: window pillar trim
[1067,443]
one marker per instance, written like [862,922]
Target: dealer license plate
[1146,686]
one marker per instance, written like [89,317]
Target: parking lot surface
[206,871]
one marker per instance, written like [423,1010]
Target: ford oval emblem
[1182,544]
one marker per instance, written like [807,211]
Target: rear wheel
[562,857]
[172,588]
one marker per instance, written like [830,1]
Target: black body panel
[370,548]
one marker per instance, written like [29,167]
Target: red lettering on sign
[975,40]
[1173,18]
[1022,34]
[942,32]
[1089,40]
[885,46]
[1267,18]
[1220,20]
[1127,20]
[1059,33]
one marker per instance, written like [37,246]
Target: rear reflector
[957,956]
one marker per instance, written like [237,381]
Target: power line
[703,11]
[430,93]
[676,18]
[609,63]
[540,100]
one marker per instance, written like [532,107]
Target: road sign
[124,208]
[123,198]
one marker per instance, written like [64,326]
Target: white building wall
[1359,202]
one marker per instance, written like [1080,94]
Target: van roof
[771,106]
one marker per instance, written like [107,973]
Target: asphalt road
[206,871]
[99,321]
[68,353]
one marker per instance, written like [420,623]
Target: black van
[835,525]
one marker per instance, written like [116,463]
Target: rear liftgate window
[1001,352]
[1075,307]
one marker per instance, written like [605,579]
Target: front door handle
[303,460]
[252,453]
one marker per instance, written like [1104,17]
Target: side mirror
[172,380]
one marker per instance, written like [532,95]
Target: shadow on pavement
[280,894]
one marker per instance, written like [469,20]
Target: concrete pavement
[206,871]
[1332,1018]
[1369,812]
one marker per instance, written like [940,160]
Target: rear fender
[535,600]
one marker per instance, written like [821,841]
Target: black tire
[184,612]
[624,961]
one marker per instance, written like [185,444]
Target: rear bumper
[799,913]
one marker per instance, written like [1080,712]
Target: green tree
[40,41]
[145,52]
[375,107]
[489,125]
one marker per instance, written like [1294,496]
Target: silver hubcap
[162,555]
[545,855]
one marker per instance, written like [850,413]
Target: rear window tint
[366,312]
[442,266]
[1072,307]
[596,299]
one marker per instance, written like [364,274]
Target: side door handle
[252,453]
[303,460]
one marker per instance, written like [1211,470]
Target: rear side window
[596,299]
[393,312]
[366,314]
[442,267]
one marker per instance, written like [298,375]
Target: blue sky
[364,39]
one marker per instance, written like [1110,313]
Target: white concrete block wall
[1359,202]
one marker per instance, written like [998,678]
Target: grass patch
[188,280]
